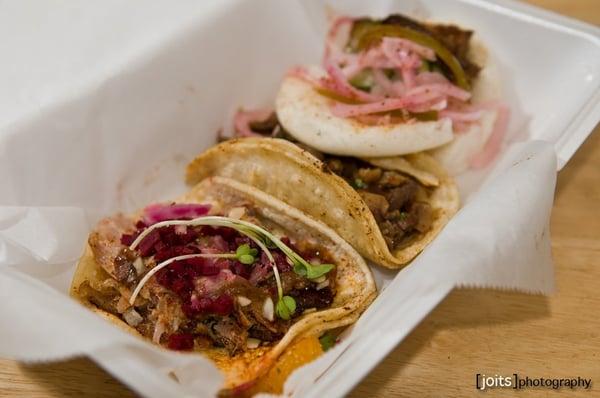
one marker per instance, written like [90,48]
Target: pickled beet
[204,266]
[127,239]
[244,240]
[175,211]
[260,270]
[222,305]
[182,287]
[146,246]
[281,262]
[240,269]
[200,304]
[164,252]
[141,225]
[181,277]
[181,341]
[219,243]
[229,234]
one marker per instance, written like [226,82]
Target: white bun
[306,115]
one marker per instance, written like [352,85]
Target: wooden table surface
[472,331]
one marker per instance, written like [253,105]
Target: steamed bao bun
[307,116]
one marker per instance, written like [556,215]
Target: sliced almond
[139,266]
[237,212]
[243,301]
[252,343]
[268,309]
[323,285]
[132,317]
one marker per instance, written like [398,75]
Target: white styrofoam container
[151,71]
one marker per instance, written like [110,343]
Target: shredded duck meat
[396,200]
[195,303]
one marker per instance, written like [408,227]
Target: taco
[227,271]
[392,87]
[388,209]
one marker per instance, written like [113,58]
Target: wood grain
[472,331]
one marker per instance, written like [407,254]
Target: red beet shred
[180,276]
[181,341]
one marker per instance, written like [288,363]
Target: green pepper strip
[425,116]
[372,33]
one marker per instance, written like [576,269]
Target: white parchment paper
[118,137]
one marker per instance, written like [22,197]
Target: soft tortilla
[291,174]
[354,281]
[399,163]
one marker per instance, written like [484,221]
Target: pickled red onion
[457,116]
[391,45]
[390,104]
[401,58]
[340,85]
[408,77]
[430,78]
[493,144]
[332,35]
[446,89]
[242,119]
[177,211]
[385,84]
[434,105]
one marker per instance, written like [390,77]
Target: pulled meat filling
[397,201]
[454,38]
[200,302]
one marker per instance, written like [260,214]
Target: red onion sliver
[437,104]
[341,86]
[430,78]
[375,58]
[160,212]
[408,77]
[493,144]
[332,35]
[395,44]
[415,91]
[401,58]
[457,116]
[447,89]
[384,83]
[346,110]
[242,119]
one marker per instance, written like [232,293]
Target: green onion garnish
[327,340]
[285,308]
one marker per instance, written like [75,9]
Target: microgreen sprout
[245,254]
[285,308]
[327,340]
[359,183]
[286,305]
